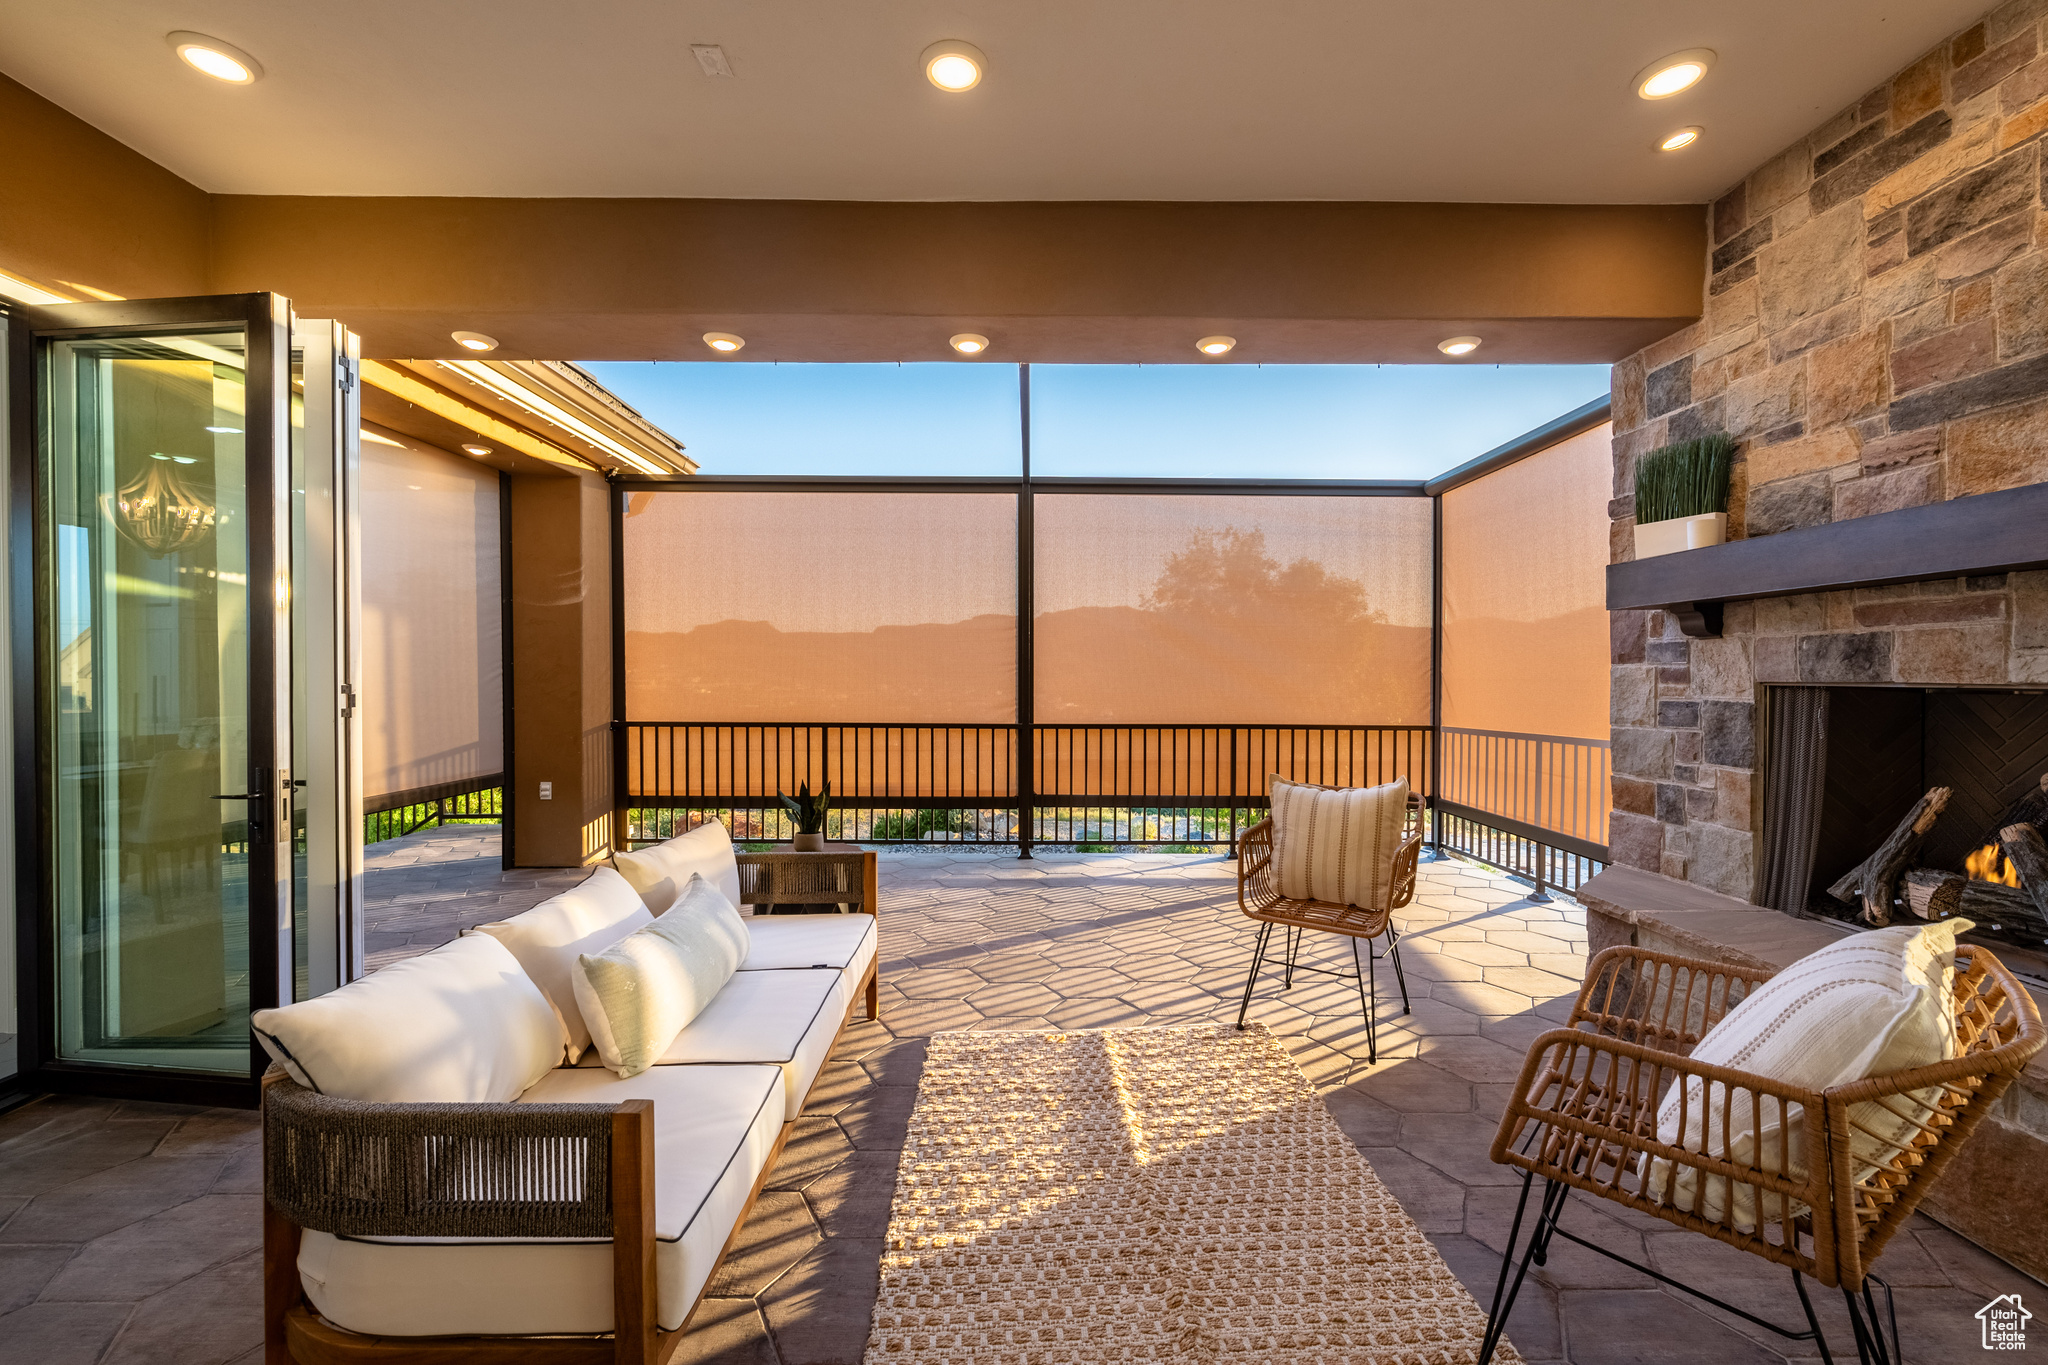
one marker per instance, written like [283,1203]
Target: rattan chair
[1258,895]
[1584,1117]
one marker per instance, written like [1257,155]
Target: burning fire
[1989,864]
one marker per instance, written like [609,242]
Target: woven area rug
[1163,1194]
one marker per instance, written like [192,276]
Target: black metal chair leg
[1293,951]
[1394,952]
[1863,1319]
[1360,974]
[1812,1321]
[1505,1292]
[1265,931]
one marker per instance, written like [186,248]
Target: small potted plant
[1682,495]
[809,813]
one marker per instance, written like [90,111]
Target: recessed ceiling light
[968,343]
[1215,345]
[474,341]
[1684,137]
[953,66]
[1680,71]
[1458,345]
[711,59]
[725,343]
[215,58]
[472,448]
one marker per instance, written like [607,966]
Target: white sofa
[429,1059]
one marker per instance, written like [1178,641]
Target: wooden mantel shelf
[1984,534]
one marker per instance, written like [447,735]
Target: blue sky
[1189,421]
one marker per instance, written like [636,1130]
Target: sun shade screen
[892,608]
[1232,610]
[433,670]
[1525,647]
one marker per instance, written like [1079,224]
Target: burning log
[1873,880]
[2003,910]
[1933,894]
[2029,854]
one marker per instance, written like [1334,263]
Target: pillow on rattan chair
[1875,1003]
[1337,844]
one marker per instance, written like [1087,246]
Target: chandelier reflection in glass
[156,512]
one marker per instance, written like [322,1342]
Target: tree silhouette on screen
[1227,575]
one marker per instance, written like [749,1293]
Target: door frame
[266,323]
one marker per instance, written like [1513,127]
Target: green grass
[1687,479]
[916,824]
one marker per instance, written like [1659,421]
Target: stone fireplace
[1688,802]
[1874,335]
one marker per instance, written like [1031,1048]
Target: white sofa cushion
[786,1019]
[786,942]
[638,994]
[1337,844]
[1875,1003]
[461,1023]
[660,873]
[548,939]
[713,1130]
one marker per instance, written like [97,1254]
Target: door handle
[239,796]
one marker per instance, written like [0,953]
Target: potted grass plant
[1682,495]
[809,813]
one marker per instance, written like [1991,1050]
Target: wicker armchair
[1258,895]
[1584,1117]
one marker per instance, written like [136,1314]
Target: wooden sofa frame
[295,1335]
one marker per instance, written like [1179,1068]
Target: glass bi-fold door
[191,873]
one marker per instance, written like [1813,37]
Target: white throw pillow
[660,873]
[1337,843]
[461,1024]
[645,989]
[1875,1003]
[549,938]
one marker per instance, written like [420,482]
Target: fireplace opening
[1845,766]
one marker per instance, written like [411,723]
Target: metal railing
[478,801]
[1154,785]
[1535,806]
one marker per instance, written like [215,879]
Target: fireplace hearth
[1844,764]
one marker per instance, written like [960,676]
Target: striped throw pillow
[1337,843]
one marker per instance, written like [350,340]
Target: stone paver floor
[127,1231]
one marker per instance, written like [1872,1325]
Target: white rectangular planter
[1681,533]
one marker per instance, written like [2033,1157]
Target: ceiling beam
[642,279]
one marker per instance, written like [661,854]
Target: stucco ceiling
[1477,100]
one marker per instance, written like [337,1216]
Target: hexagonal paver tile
[814,1147]
[949,983]
[778,1233]
[1473,1057]
[1072,983]
[1014,997]
[1481,998]
[922,1018]
[1096,1013]
[1169,998]
[1529,981]
[1416,1087]
[1014,965]
[1486,954]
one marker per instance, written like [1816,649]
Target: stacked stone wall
[1874,334]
